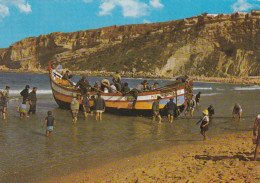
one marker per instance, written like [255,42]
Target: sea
[28,156]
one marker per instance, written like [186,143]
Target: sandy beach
[227,158]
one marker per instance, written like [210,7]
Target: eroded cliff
[208,45]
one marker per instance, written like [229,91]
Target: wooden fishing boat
[64,92]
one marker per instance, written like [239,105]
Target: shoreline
[254,80]
[225,158]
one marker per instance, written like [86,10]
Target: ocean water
[28,156]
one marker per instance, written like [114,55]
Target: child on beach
[74,106]
[204,123]
[99,105]
[22,109]
[237,111]
[50,123]
[156,110]
[256,135]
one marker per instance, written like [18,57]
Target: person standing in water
[22,109]
[190,107]
[50,123]
[256,135]
[171,108]
[237,111]
[25,93]
[3,105]
[6,93]
[156,110]
[198,99]
[32,100]
[99,105]
[74,106]
[204,123]
[86,105]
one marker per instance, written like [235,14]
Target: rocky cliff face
[209,45]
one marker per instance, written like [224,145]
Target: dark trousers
[32,108]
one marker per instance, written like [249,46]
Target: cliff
[205,45]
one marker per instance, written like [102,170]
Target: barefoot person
[86,105]
[99,105]
[25,93]
[190,107]
[198,99]
[256,135]
[156,110]
[204,123]
[237,111]
[3,105]
[32,100]
[171,108]
[22,109]
[74,106]
[50,123]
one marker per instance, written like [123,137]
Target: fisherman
[156,109]
[146,86]
[113,88]
[83,85]
[155,86]
[117,80]
[6,93]
[74,106]
[211,111]
[99,105]
[198,99]
[204,124]
[22,109]
[125,89]
[50,123]
[3,105]
[32,100]
[191,104]
[96,87]
[104,84]
[86,105]
[134,92]
[66,76]
[256,135]
[171,108]
[25,93]
[237,111]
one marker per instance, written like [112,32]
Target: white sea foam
[247,88]
[210,94]
[202,88]
[41,92]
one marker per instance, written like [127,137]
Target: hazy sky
[26,18]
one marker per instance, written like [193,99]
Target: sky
[20,19]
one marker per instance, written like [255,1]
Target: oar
[110,87]
[97,89]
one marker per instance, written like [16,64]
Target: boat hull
[122,104]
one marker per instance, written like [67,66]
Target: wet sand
[226,158]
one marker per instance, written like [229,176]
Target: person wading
[25,93]
[237,111]
[256,135]
[3,105]
[198,99]
[156,110]
[86,105]
[99,105]
[32,100]
[74,106]
[171,108]
[50,123]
